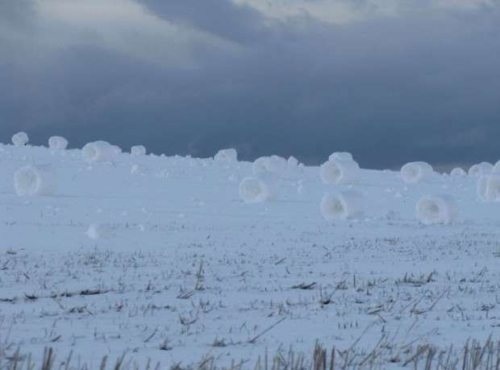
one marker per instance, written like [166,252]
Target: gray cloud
[223,18]
[420,86]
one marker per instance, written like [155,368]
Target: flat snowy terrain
[159,257]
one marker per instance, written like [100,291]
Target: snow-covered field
[160,257]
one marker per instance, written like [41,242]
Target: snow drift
[138,150]
[436,209]
[20,139]
[100,151]
[337,171]
[342,206]
[226,155]
[58,143]
[35,181]
[256,189]
[415,172]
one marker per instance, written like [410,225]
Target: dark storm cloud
[223,18]
[421,86]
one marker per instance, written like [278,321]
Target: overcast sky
[388,80]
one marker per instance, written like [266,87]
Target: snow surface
[173,264]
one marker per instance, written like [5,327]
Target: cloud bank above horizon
[388,80]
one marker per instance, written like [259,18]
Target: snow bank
[488,188]
[275,164]
[35,181]
[226,155]
[342,156]
[100,231]
[436,209]
[342,206]
[256,190]
[458,172]
[415,172]
[20,139]
[58,143]
[483,168]
[100,151]
[338,171]
[138,150]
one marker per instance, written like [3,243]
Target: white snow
[415,172]
[483,168]
[35,181]
[176,259]
[100,151]
[58,143]
[256,190]
[339,171]
[20,139]
[137,150]
[436,209]
[226,155]
[344,205]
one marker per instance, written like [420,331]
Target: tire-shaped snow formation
[342,156]
[345,205]
[20,139]
[436,209]
[458,172]
[35,181]
[100,151]
[226,155]
[479,169]
[256,190]
[138,150]
[58,143]
[339,172]
[415,172]
[488,188]
[274,165]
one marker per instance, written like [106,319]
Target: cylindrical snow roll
[292,162]
[339,172]
[100,151]
[20,139]
[415,172]
[436,209]
[138,150]
[275,165]
[58,143]
[226,155]
[101,231]
[256,190]
[342,156]
[488,188]
[260,165]
[458,172]
[483,168]
[342,206]
[35,181]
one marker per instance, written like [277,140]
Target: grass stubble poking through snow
[219,263]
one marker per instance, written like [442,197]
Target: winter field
[187,262]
